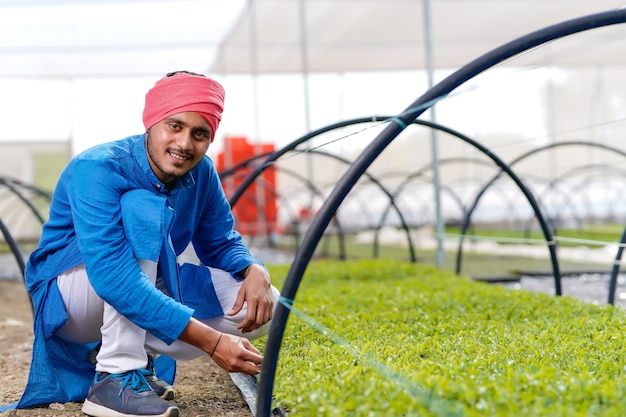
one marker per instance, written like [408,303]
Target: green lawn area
[392,338]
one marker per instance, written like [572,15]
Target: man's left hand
[257,293]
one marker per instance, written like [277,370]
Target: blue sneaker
[126,395]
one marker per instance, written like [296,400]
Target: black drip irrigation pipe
[11,186]
[371,152]
[615,269]
[271,158]
[390,196]
[17,253]
[536,207]
[527,193]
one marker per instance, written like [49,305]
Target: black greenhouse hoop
[349,179]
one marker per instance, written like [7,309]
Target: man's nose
[184,139]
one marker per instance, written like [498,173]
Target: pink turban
[183,92]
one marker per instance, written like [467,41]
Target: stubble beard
[168,177]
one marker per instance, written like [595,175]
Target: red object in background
[255,212]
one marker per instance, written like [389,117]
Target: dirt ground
[202,388]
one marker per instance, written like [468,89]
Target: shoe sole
[169,395]
[96,410]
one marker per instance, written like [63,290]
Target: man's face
[177,144]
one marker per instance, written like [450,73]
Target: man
[105,280]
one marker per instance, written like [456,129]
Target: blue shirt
[85,227]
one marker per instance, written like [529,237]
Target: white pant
[125,346]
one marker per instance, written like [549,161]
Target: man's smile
[178,156]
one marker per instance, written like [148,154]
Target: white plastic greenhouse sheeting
[58,38]
[358,35]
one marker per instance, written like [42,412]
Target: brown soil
[202,388]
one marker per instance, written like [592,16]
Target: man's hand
[256,292]
[232,353]
[237,354]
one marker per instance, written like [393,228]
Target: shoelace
[135,380]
